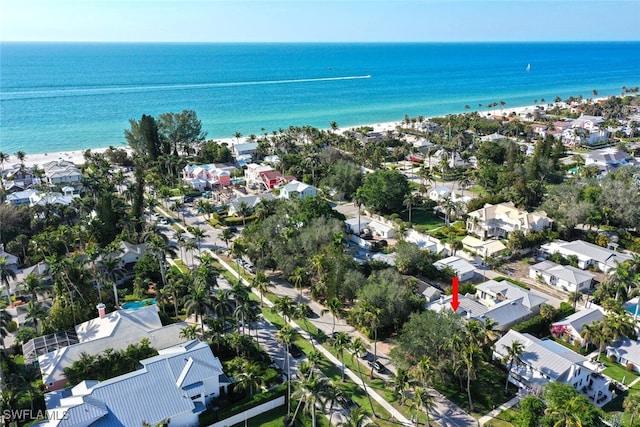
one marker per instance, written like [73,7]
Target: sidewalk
[491,415]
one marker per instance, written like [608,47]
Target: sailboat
[528,67]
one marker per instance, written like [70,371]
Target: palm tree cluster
[606,331]
[623,283]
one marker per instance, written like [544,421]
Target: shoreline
[76,156]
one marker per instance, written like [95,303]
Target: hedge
[515,282]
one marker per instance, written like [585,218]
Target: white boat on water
[528,67]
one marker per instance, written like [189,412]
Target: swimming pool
[134,305]
[632,308]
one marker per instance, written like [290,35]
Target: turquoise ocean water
[67,96]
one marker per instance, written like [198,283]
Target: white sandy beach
[78,158]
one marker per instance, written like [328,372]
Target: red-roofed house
[271,179]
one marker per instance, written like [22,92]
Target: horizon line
[321,42]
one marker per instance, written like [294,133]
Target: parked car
[295,351]
[233,229]
[376,365]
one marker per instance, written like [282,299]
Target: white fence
[250,413]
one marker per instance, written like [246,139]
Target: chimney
[101,310]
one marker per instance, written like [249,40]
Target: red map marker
[454,293]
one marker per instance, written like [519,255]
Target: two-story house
[544,361]
[497,221]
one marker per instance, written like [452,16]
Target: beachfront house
[463,269]
[244,149]
[565,277]
[176,385]
[544,361]
[570,328]
[587,254]
[497,221]
[115,330]
[62,172]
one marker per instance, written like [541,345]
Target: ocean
[72,96]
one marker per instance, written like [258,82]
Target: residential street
[446,412]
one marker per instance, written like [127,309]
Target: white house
[483,248]
[626,351]
[606,159]
[382,230]
[62,171]
[501,219]
[463,269]
[20,198]
[356,225]
[251,201]
[115,330]
[253,171]
[10,260]
[565,277]
[544,361]
[439,193]
[175,385]
[501,302]
[244,149]
[51,198]
[571,326]
[297,190]
[587,254]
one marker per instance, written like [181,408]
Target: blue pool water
[632,308]
[134,305]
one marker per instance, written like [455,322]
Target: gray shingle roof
[546,356]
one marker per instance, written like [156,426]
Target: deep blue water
[67,96]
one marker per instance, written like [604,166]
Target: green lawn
[615,406]
[617,371]
[487,391]
[504,419]
[422,220]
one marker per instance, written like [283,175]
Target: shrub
[613,358]
[630,367]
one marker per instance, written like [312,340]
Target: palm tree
[244,211]
[409,201]
[312,391]
[574,298]
[356,418]
[33,285]
[298,277]
[371,318]
[226,236]
[401,384]
[284,307]
[423,371]
[198,302]
[359,347]
[423,401]
[334,306]
[35,311]
[285,337]
[189,332]
[512,357]
[341,343]
[5,321]
[250,378]
[198,234]
[631,406]
[7,272]
[111,270]
[261,284]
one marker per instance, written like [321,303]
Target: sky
[319,21]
